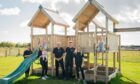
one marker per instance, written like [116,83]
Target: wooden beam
[114,54]
[119,54]
[46,35]
[81,25]
[31,37]
[114,27]
[65,36]
[134,29]
[98,26]
[98,32]
[32,46]
[95,54]
[106,60]
[88,28]
[88,35]
[102,33]
[114,60]
[76,33]
[52,43]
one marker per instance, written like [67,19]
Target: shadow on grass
[34,79]
[37,80]
[120,80]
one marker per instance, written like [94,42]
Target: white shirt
[44,54]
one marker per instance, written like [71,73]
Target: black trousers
[69,68]
[27,72]
[61,63]
[79,68]
[44,65]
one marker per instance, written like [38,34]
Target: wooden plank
[113,75]
[41,20]
[34,16]
[80,12]
[134,29]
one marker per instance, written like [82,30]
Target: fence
[11,51]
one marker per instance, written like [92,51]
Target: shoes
[84,82]
[46,76]
[43,78]
[79,81]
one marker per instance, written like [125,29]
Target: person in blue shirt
[79,57]
[69,60]
[100,46]
[26,54]
[58,53]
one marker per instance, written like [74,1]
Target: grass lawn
[130,70]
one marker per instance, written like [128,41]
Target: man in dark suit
[58,52]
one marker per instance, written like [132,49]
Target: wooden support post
[119,54]
[95,54]
[114,60]
[106,60]
[76,33]
[6,53]
[88,54]
[114,54]
[31,37]
[66,37]
[52,44]
[88,35]
[88,59]
[46,35]
[32,46]
[102,52]
[88,28]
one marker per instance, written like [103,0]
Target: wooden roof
[44,16]
[88,12]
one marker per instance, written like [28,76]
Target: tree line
[12,44]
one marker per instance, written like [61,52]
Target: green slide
[21,69]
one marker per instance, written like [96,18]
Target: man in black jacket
[69,60]
[26,54]
[58,53]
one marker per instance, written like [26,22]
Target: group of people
[64,58]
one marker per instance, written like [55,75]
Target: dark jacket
[78,58]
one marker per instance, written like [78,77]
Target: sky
[15,15]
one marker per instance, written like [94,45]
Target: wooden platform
[89,74]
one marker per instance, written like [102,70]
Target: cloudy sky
[15,14]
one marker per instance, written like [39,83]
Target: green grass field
[130,70]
